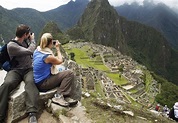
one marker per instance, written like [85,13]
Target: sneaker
[59,100]
[32,118]
[71,101]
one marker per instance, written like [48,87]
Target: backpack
[5,62]
[4,58]
[171,113]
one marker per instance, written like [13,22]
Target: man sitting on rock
[21,70]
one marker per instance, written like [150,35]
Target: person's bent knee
[9,84]
[71,73]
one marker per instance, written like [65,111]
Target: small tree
[121,70]
[72,55]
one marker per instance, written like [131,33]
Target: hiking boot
[2,120]
[71,101]
[59,100]
[32,118]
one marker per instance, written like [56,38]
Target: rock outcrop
[17,108]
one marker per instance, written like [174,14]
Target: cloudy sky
[45,5]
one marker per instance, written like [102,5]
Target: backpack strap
[13,58]
[12,40]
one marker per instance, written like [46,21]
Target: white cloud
[170,3]
[120,2]
[41,5]
[44,5]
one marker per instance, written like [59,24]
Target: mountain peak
[78,1]
[100,1]
[100,23]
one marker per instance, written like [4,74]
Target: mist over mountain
[158,16]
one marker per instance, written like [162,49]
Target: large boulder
[17,108]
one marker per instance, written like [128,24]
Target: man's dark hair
[21,30]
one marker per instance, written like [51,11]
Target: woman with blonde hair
[43,63]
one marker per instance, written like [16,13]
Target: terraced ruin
[123,78]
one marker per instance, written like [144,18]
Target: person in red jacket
[157,108]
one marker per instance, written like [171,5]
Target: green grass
[115,77]
[99,89]
[83,59]
[149,79]
[100,112]
[148,82]
[133,91]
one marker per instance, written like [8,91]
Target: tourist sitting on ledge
[47,77]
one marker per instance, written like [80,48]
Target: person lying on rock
[47,77]
[21,70]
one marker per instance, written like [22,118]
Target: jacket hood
[176,106]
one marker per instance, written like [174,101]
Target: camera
[54,42]
[30,34]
